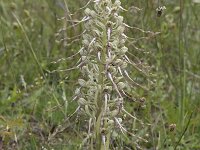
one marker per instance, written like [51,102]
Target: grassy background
[35,104]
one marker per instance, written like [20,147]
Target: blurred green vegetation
[36,93]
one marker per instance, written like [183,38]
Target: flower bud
[84,58]
[85,42]
[87,11]
[124,65]
[120,30]
[120,120]
[77,91]
[124,49]
[119,20]
[117,3]
[82,82]
[118,62]
[111,122]
[82,102]
[121,85]
[114,113]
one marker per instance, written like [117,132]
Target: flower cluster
[105,81]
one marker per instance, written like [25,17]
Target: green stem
[100,89]
[182,68]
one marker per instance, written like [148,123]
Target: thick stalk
[100,90]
